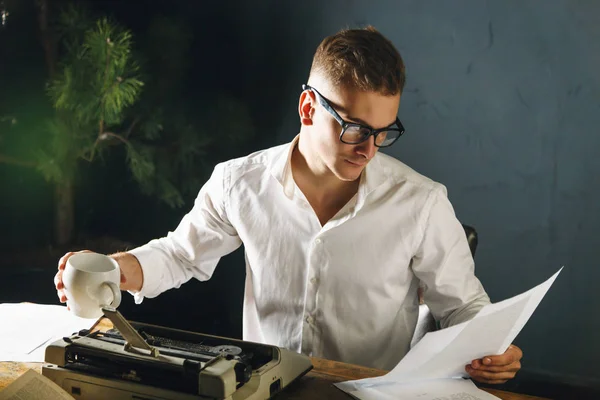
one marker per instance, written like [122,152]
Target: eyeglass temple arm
[325,104]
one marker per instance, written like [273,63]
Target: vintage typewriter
[138,361]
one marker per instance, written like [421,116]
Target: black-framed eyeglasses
[353,133]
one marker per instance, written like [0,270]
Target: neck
[316,181]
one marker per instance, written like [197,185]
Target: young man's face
[327,154]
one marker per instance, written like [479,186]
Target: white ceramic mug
[91,281]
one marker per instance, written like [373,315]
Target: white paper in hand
[445,353]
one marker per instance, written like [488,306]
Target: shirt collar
[282,168]
[372,176]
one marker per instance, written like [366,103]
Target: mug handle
[116,294]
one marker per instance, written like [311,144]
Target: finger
[512,354]
[511,367]
[517,350]
[58,283]
[61,296]
[63,260]
[479,374]
[491,381]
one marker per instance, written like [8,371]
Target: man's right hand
[132,276]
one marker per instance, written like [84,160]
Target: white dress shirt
[344,291]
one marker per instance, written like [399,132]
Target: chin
[349,173]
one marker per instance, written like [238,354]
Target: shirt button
[314,281]
[318,241]
[310,320]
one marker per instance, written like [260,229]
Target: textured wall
[502,105]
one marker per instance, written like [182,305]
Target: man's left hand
[496,369]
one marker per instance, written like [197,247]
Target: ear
[306,107]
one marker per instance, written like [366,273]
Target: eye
[355,134]
[382,136]
[386,138]
[364,132]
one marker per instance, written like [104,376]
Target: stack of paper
[436,365]
[26,329]
[34,386]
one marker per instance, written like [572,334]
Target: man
[337,236]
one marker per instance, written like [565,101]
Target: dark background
[502,105]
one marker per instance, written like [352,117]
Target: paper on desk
[34,386]
[449,389]
[26,329]
[443,354]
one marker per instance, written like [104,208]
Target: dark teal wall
[502,105]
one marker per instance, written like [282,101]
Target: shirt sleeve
[203,236]
[444,264]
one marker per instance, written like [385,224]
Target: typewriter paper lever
[133,340]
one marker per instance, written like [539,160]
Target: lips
[357,163]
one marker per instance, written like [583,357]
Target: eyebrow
[341,110]
[360,121]
[346,117]
[352,119]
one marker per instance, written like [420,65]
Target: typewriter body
[139,361]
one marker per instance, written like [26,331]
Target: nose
[367,148]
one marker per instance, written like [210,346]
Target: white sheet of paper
[27,328]
[34,386]
[480,337]
[445,353]
[450,389]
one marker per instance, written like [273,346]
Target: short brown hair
[362,59]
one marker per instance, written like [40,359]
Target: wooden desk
[315,385]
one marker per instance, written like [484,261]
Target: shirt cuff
[147,257]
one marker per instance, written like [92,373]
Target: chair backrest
[471,238]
